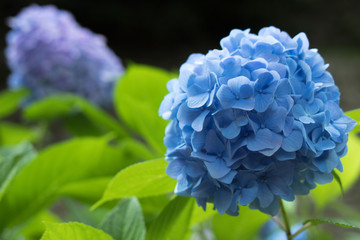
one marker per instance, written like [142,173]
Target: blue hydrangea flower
[48,52]
[254,122]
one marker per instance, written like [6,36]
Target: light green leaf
[140,180]
[199,215]
[57,106]
[13,159]
[244,226]
[11,133]
[355,114]
[173,222]
[10,100]
[326,193]
[125,221]
[73,231]
[345,223]
[57,166]
[137,100]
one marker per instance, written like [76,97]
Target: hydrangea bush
[254,122]
[49,52]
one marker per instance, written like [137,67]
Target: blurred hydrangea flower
[48,52]
[272,231]
[253,123]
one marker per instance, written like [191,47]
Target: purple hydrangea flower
[253,123]
[48,52]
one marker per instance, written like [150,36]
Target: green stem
[286,221]
[306,226]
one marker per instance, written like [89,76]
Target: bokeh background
[165,34]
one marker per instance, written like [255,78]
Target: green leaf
[323,194]
[199,215]
[10,100]
[244,226]
[80,189]
[57,106]
[11,133]
[137,99]
[345,223]
[140,180]
[338,180]
[125,221]
[355,114]
[57,166]
[35,228]
[73,231]
[173,222]
[13,159]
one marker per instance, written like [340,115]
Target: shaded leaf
[139,180]
[11,133]
[13,159]
[10,100]
[125,221]
[173,222]
[57,106]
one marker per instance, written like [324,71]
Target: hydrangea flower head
[49,52]
[254,122]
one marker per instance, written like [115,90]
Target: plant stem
[286,221]
[306,226]
[276,219]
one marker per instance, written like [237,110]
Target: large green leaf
[13,159]
[11,133]
[57,106]
[138,97]
[80,189]
[57,166]
[10,100]
[73,231]
[345,223]
[140,180]
[324,194]
[244,226]
[125,221]
[173,222]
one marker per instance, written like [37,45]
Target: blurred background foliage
[164,34]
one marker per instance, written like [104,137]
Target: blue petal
[216,167]
[197,100]
[293,142]
[198,123]
[175,168]
[226,96]
[222,199]
[263,101]
[327,161]
[248,195]
[264,139]
[264,195]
